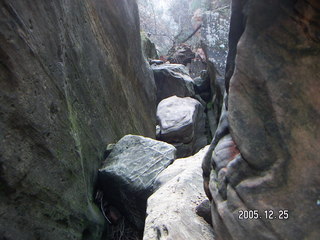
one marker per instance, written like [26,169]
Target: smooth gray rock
[172,79]
[171,211]
[72,80]
[128,174]
[182,123]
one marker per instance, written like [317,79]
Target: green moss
[210,105]
[148,47]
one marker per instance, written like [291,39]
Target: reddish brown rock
[273,112]
[225,151]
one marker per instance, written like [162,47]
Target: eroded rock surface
[72,79]
[128,174]
[273,114]
[182,123]
[171,211]
[172,79]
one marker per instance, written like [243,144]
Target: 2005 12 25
[282,214]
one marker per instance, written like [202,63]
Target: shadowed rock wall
[72,79]
[273,113]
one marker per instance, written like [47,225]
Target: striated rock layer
[273,113]
[72,79]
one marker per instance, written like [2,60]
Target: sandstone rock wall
[72,79]
[273,113]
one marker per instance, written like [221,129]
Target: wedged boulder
[128,174]
[171,210]
[172,79]
[182,123]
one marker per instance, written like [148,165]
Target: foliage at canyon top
[168,21]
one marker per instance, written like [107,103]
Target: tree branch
[193,33]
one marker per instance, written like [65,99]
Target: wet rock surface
[182,123]
[72,79]
[128,174]
[171,211]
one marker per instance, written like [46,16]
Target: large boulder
[172,79]
[273,117]
[171,210]
[72,79]
[182,123]
[128,174]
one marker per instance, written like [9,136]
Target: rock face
[128,174]
[273,112]
[182,123]
[72,79]
[172,79]
[171,211]
[214,42]
[214,34]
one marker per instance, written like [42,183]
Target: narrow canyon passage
[159,119]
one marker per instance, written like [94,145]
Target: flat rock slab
[182,123]
[171,210]
[129,172]
[172,79]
